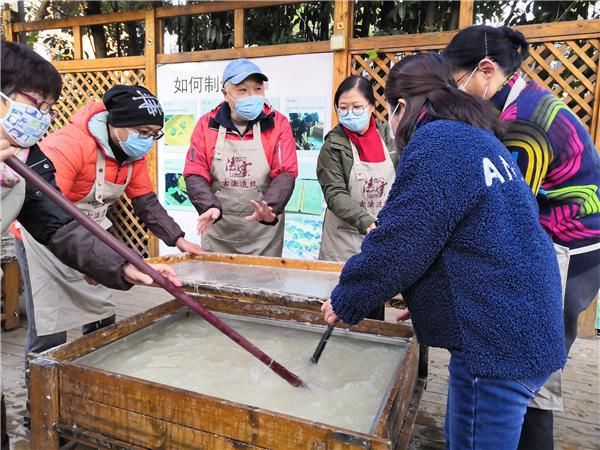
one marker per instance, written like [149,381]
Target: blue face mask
[135,146]
[249,108]
[356,123]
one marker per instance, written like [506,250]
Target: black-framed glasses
[41,105]
[144,134]
[356,110]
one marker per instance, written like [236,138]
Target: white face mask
[390,117]
[463,87]
[24,123]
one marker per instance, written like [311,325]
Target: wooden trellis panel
[78,89]
[567,68]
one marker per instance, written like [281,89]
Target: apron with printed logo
[241,173]
[369,185]
[62,298]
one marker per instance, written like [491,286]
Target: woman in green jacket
[356,169]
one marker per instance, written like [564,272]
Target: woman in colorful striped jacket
[557,157]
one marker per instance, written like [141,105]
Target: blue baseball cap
[240,69]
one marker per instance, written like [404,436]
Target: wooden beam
[343,20]
[90,65]
[465,19]
[77,44]
[248,52]
[586,325]
[239,28]
[96,19]
[11,286]
[217,6]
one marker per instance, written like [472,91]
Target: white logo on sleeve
[491,172]
[149,103]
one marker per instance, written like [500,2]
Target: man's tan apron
[369,185]
[62,298]
[241,173]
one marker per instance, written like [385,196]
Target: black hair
[22,69]
[358,82]
[507,47]
[424,82]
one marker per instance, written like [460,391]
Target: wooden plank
[136,429]
[586,325]
[43,395]
[410,419]
[96,19]
[205,413]
[239,24]
[91,65]
[8,24]
[250,260]
[465,19]
[248,52]
[217,6]
[11,285]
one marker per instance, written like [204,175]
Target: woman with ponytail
[560,163]
[460,239]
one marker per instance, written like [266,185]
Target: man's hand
[262,213]
[329,314]
[134,276]
[403,315]
[6,149]
[186,246]
[371,227]
[206,219]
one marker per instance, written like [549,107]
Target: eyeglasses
[144,134]
[356,110]
[41,105]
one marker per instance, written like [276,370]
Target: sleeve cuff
[345,310]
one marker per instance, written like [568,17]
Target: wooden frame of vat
[108,410]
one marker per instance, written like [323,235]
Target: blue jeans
[485,413]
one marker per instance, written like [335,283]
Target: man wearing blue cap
[241,167]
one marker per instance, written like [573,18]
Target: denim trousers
[485,413]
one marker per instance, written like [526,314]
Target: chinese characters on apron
[369,185]
[62,298]
[241,173]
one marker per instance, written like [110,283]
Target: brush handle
[322,343]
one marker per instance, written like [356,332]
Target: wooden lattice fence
[78,89]
[567,68]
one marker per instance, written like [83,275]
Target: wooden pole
[465,18]
[343,11]
[8,25]
[596,112]
[43,395]
[134,259]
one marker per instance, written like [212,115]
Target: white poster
[300,87]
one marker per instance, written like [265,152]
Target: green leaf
[372,54]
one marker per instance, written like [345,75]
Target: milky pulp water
[345,389]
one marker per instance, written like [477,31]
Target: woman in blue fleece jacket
[459,237]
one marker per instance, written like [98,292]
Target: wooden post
[150,76]
[596,111]
[238,28]
[8,26]
[11,283]
[43,395]
[77,44]
[343,11]
[466,14]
